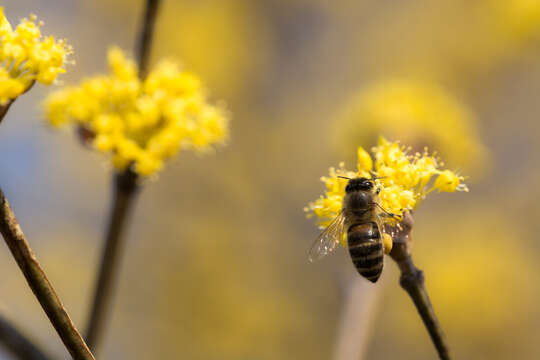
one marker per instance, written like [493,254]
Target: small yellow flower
[25,57]
[141,122]
[403,180]
[447,181]
[365,162]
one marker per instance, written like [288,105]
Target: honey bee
[361,219]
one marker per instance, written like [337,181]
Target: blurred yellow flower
[518,18]
[419,113]
[404,181]
[26,57]
[237,37]
[141,122]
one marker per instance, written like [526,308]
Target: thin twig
[10,337]
[145,40]
[4,108]
[40,285]
[356,322]
[412,281]
[125,187]
[18,344]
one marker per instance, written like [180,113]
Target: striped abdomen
[366,249]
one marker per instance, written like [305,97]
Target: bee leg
[395,216]
[386,213]
[391,215]
[398,240]
[387,243]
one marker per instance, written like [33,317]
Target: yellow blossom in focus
[447,181]
[26,56]
[141,122]
[420,114]
[405,180]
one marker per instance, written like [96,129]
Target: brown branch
[38,282]
[144,42]
[125,187]
[18,344]
[11,338]
[412,281]
[4,108]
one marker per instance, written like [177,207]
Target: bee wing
[329,239]
[379,219]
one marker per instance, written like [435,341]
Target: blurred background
[216,259]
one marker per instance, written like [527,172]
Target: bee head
[359,184]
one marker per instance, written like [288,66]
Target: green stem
[38,282]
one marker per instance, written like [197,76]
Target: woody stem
[39,283]
[125,189]
[412,281]
[4,108]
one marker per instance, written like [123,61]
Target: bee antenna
[343,177]
[380,177]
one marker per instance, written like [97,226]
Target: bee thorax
[359,200]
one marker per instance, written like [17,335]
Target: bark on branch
[147,34]
[4,108]
[412,281]
[125,188]
[38,282]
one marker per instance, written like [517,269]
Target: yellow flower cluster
[404,181]
[417,112]
[141,122]
[26,57]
